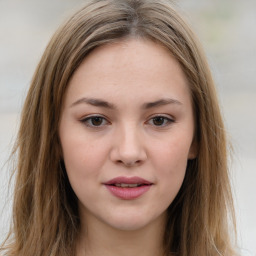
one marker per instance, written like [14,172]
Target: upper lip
[128,180]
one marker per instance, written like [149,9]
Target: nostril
[129,163]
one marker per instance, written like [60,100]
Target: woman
[121,147]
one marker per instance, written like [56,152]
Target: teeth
[124,185]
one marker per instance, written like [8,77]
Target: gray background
[227,30]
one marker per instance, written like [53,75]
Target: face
[126,133]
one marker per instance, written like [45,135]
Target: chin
[131,222]
[128,225]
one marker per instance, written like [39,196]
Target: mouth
[125,185]
[128,188]
[128,181]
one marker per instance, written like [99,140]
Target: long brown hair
[45,214]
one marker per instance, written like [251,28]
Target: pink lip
[131,192]
[128,180]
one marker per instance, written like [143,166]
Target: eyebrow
[94,102]
[102,103]
[160,102]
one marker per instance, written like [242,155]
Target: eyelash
[167,120]
[88,121]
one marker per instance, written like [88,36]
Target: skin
[126,137]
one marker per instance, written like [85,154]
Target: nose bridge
[130,138]
[129,145]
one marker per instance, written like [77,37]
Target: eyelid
[85,120]
[170,120]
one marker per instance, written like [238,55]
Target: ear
[193,151]
[58,149]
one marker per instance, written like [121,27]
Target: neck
[101,239]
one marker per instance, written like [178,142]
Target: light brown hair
[45,214]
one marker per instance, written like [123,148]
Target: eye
[160,121]
[95,121]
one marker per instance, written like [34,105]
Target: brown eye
[94,121]
[160,121]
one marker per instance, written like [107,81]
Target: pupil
[158,121]
[96,121]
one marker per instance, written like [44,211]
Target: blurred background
[227,30]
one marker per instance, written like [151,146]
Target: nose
[128,147]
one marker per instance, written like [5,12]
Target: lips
[128,188]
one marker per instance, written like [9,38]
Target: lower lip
[128,193]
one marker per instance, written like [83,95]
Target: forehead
[126,67]
[143,54]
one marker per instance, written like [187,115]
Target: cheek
[173,154]
[83,158]
[82,162]
[170,164]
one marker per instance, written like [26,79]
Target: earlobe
[58,150]
[193,151]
